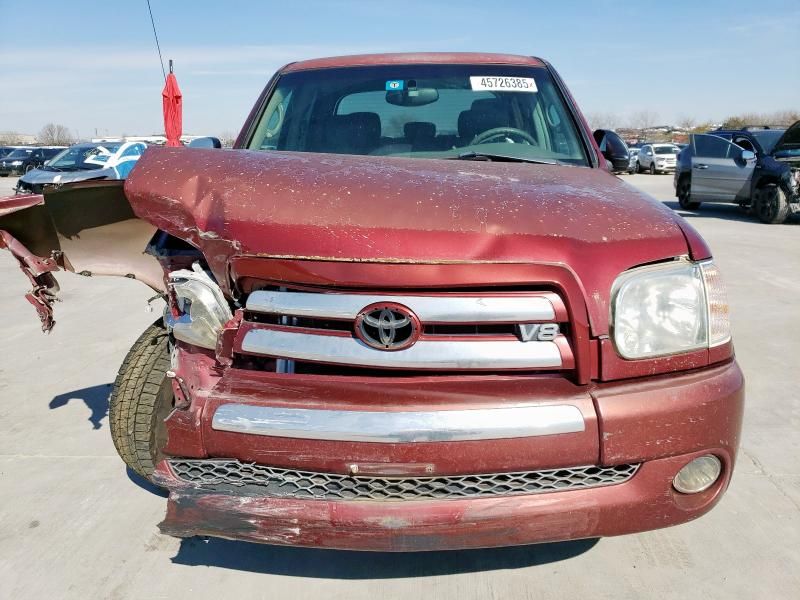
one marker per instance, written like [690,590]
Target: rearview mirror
[748,155]
[205,142]
[413,97]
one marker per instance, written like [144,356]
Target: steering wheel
[497,132]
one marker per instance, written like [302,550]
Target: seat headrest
[483,115]
[354,133]
[419,130]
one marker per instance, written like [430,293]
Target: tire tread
[134,399]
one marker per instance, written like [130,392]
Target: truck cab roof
[413,58]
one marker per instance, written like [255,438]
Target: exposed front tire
[652,168]
[639,168]
[140,401]
[685,194]
[771,205]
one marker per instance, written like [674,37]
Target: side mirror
[748,155]
[613,149]
[205,142]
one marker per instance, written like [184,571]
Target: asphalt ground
[75,524]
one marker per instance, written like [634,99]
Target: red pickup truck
[410,310]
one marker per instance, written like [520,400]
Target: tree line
[52,134]
[647,119]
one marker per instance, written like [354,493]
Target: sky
[93,66]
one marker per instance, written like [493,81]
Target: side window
[744,144]
[271,124]
[712,146]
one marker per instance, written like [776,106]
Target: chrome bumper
[399,427]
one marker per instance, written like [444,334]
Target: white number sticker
[505,84]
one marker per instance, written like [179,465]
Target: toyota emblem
[387,326]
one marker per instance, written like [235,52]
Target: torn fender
[88,228]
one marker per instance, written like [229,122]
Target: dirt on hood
[301,206]
[396,209]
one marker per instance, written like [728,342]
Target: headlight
[203,309]
[16,163]
[669,308]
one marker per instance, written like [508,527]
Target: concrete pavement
[74,524]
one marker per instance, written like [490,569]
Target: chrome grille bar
[425,354]
[429,309]
[399,426]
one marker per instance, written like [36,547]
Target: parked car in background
[106,160]
[657,158]
[758,170]
[613,149]
[5,150]
[22,160]
[633,156]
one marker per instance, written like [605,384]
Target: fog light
[698,475]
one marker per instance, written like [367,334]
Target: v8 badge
[539,332]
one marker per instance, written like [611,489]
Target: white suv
[657,158]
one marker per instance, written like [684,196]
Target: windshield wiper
[489,156]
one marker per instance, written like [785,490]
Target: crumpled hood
[44,176]
[360,208]
[789,140]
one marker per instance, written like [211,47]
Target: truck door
[719,172]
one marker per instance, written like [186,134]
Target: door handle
[701,166]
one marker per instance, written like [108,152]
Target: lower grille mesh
[287,483]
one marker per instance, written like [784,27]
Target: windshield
[666,149]
[19,153]
[767,138]
[430,111]
[83,157]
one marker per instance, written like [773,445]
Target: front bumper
[9,170]
[646,502]
[660,423]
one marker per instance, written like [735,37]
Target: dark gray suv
[757,169]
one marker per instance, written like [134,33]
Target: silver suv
[657,158]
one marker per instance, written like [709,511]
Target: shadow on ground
[721,210]
[95,397]
[145,484]
[340,564]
